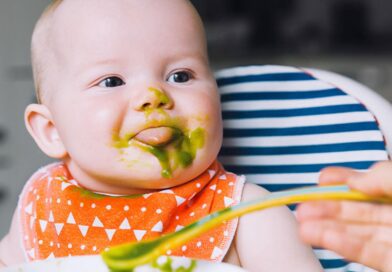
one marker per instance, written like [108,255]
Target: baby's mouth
[157,136]
[172,146]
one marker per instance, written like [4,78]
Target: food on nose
[157,136]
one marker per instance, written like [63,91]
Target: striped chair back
[282,126]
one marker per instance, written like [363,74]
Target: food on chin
[173,146]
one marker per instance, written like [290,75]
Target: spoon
[127,256]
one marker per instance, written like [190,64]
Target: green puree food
[183,152]
[160,95]
[167,266]
[180,152]
[182,148]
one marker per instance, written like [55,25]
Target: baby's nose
[154,98]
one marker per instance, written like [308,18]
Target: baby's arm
[10,247]
[1,262]
[268,240]
[3,248]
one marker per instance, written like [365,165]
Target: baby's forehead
[72,27]
[113,21]
[89,16]
[68,10]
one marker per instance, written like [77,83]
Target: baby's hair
[40,51]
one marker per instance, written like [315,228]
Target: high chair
[282,125]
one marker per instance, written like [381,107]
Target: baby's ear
[39,123]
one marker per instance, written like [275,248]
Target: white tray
[96,264]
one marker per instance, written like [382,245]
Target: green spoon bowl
[127,256]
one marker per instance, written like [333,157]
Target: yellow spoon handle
[272,200]
[128,256]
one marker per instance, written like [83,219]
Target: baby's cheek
[105,115]
[90,129]
[103,121]
[213,117]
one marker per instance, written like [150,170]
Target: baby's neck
[91,184]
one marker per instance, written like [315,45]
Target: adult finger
[336,175]
[367,232]
[361,212]
[377,181]
[374,253]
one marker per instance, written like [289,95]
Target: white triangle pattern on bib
[158,227]
[139,234]
[125,223]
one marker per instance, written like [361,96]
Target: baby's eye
[111,82]
[180,77]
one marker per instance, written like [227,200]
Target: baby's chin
[146,179]
[155,177]
[162,171]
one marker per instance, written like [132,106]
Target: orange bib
[59,218]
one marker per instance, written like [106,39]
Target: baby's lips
[156,136]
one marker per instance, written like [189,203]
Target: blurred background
[350,37]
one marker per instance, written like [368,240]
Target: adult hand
[361,232]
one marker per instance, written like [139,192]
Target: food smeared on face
[161,95]
[173,146]
[164,103]
[168,139]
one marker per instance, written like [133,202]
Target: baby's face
[135,103]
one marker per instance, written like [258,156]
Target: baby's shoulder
[252,191]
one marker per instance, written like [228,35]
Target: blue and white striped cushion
[282,126]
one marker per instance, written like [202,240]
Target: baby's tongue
[155,136]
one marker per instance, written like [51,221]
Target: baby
[130,108]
